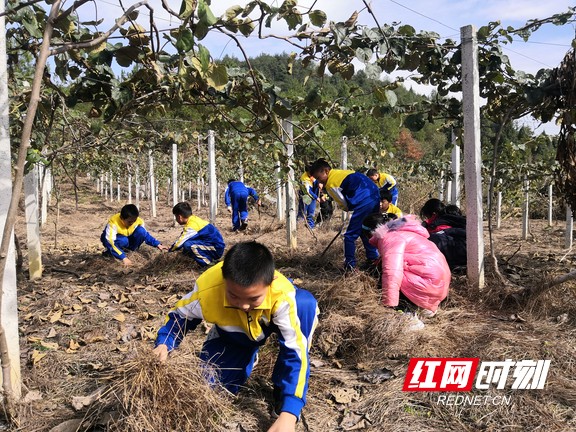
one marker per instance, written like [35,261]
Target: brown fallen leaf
[66,322]
[49,345]
[84,300]
[119,317]
[68,426]
[32,395]
[73,345]
[79,402]
[345,395]
[36,356]
[55,316]
[51,333]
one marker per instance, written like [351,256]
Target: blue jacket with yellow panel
[277,313]
[350,189]
[115,228]
[309,186]
[386,181]
[200,231]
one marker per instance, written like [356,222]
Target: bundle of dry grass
[144,395]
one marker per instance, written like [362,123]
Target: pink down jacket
[411,264]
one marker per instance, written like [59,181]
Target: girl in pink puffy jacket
[412,266]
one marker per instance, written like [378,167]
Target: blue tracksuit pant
[234,362]
[307,211]
[132,242]
[355,230]
[239,203]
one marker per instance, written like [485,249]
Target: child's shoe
[243,225]
[427,313]
[413,323]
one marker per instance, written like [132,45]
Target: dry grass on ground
[88,325]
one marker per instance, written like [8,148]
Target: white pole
[550,207]
[212,176]
[45,195]
[102,184]
[472,156]
[199,193]
[288,135]
[152,182]
[32,226]
[137,186]
[279,200]
[344,164]
[174,174]
[98,184]
[441,186]
[111,185]
[9,312]
[449,191]
[118,188]
[455,198]
[129,188]
[568,236]
[526,210]
[499,205]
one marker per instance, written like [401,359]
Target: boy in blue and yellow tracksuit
[308,191]
[384,181]
[247,300]
[125,231]
[200,239]
[353,192]
[236,199]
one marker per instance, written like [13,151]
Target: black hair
[373,221]
[431,207]
[231,180]
[317,166]
[385,195]
[452,209]
[182,209]
[248,263]
[371,172]
[129,211]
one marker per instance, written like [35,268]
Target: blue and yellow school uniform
[386,181]
[200,240]
[116,237]
[236,336]
[236,196]
[309,187]
[394,210]
[354,192]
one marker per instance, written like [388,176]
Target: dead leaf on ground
[119,317]
[345,395]
[79,402]
[32,395]
[36,356]
[94,336]
[354,421]
[68,426]
[49,345]
[55,316]
[66,322]
[84,300]
[51,333]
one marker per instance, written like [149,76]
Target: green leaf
[318,17]
[247,27]
[373,71]
[232,12]
[415,122]
[204,57]
[201,30]
[217,76]
[406,30]
[184,40]
[364,54]
[249,8]
[205,14]
[391,98]
[186,8]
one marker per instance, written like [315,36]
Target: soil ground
[88,314]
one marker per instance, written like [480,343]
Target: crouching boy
[247,300]
[199,240]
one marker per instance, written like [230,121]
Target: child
[386,205]
[411,265]
[236,199]
[447,228]
[309,191]
[125,230]
[200,239]
[384,181]
[353,192]
[247,301]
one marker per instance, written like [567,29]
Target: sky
[545,49]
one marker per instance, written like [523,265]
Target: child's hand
[229,209]
[162,247]
[285,422]
[161,352]
[127,262]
